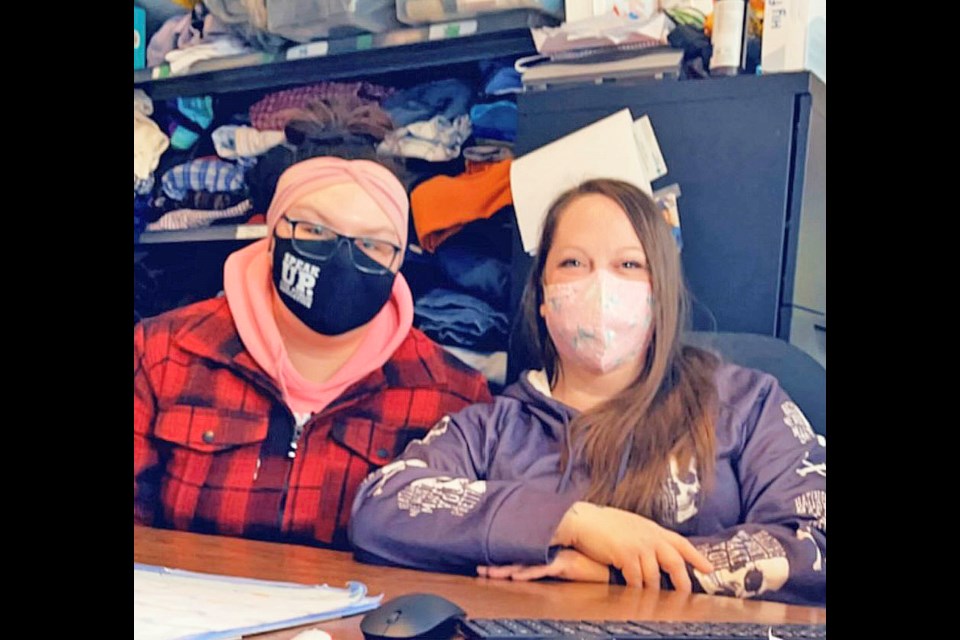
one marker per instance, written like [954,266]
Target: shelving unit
[368,56]
[206,234]
[189,263]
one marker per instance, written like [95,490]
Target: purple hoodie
[484,487]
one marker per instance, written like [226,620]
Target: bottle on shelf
[727,39]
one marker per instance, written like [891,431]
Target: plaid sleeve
[145,456]
[480,391]
[465,385]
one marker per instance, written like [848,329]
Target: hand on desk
[569,564]
[638,546]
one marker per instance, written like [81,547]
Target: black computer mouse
[417,615]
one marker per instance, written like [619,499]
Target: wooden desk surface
[479,597]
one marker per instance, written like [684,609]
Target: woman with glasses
[258,414]
[630,457]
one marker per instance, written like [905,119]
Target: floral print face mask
[600,322]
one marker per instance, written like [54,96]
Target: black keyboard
[526,629]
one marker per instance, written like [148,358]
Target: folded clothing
[142,187]
[476,273]
[437,139]
[496,121]
[181,219]
[196,114]
[183,31]
[234,141]
[149,142]
[480,155]
[449,98]
[175,32]
[142,102]
[205,200]
[181,60]
[203,174]
[442,205]
[458,319]
[492,365]
[503,81]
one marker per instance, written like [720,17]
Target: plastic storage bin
[424,11]
[306,20]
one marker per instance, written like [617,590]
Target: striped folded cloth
[197,218]
[203,174]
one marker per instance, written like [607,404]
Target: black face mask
[330,296]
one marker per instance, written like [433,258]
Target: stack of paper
[601,31]
[659,62]
[607,47]
[618,147]
[172,604]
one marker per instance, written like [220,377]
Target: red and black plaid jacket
[212,437]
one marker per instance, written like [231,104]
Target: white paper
[654,165]
[170,604]
[309,50]
[605,149]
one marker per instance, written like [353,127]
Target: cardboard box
[794,36]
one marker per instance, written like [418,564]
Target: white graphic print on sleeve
[746,565]
[678,500]
[388,471]
[794,418]
[804,533]
[813,503]
[438,430]
[458,495]
[808,467]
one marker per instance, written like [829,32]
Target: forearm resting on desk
[635,545]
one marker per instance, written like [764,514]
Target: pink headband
[316,173]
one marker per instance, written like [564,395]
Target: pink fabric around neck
[249,290]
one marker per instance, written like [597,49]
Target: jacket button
[207,436]
[382,453]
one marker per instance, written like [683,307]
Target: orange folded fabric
[441,206]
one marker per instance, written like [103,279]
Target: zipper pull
[301,421]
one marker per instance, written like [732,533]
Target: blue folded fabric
[503,81]
[458,319]
[199,109]
[497,120]
[475,272]
[448,98]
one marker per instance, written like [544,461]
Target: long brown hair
[668,410]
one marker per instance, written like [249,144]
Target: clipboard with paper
[171,604]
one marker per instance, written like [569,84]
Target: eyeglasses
[368,255]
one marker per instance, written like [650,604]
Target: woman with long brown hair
[629,456]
